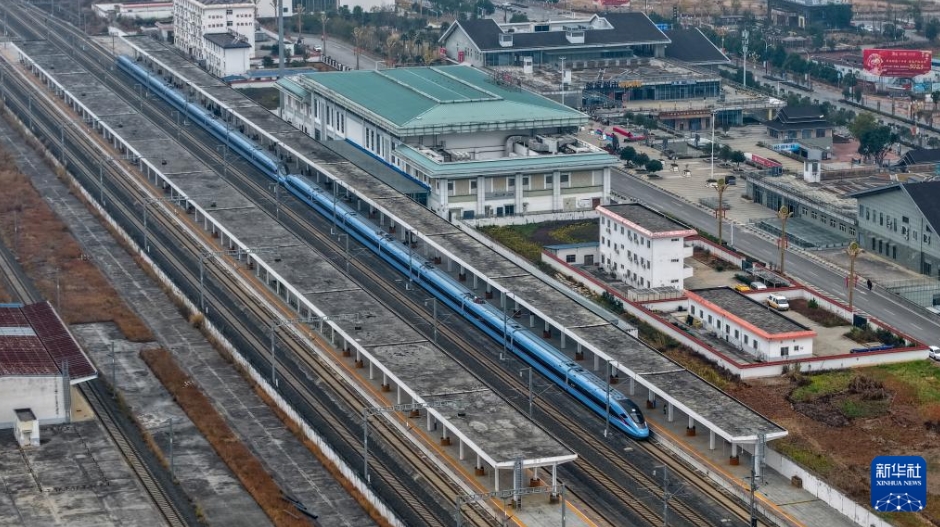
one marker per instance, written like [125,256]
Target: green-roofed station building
[482,145]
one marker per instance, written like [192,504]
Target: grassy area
[527,240]
[920,378]
[863,409]
[822,384]
[805,455]
[267,97]
[257,481]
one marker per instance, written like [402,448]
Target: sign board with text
[903,63]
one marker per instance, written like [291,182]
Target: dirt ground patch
[826,319]
[840,421]
[49,254]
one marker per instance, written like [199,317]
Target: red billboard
[896,62]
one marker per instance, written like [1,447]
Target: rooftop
[750,311]
[690,45]
[227,40]
[35,342]
[924,194]
[489,424]
[440,99]
[647,219]
[612,29]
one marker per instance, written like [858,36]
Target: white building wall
[192,20]
[745,339]
[43,395]
[224,62]
[458,41]
[640,260]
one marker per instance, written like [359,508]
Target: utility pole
[280,41]
[323,34]
[784,214]
[562,59]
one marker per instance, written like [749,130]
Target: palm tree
[784,214]
[853,250]
[721,186]
[358,33]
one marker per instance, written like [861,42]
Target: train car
[540,355]
[544,358]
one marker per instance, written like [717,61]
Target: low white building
[227,54]
[750,326]
[39,362]
[642,247]
[574,253]
[194,19]
[137,11]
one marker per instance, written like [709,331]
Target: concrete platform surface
[76,477]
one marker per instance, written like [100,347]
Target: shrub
[813,304]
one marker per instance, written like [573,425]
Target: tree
[628,153]
[641,159]
[831,44]
[737,157]
[818,41]
[724,153]
[876,143]
[865,122]
[653,165]
[518,17]
[932,29]
[267,61]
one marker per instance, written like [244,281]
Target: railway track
[23,291]
[605,478]
[396,477]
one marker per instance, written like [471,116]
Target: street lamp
[607,411]
[562,59]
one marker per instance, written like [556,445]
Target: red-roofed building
[39,361]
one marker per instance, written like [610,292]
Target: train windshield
[634,411]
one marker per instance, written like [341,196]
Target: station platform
[775,493]
[479,441]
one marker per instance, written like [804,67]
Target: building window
[229,23]
[571,258]
[473,190]
[565,180]
[511,182]
[784,351]
[746,339]
[228,11]
[735,334]
[525,182]
[549,181]
[881,219]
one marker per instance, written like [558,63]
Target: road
[881,304]
[341,51]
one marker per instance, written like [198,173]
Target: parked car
[934,353]
[778,302]
[758,286]
[742,288]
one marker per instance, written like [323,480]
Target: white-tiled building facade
[643,248]
[193,19]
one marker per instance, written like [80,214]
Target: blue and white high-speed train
[536,352]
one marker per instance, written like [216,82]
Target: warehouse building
[482,145]
[39,362]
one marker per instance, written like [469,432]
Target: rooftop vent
[505,40]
